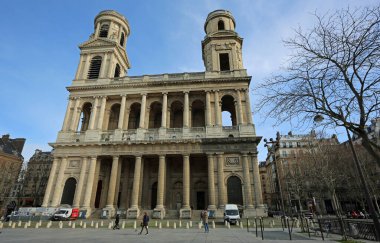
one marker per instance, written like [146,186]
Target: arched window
[117,71]
[224,62]
[221,25]
[197,114]
[228,111]
[122,39]
[134,116]
[155,115]
[176,115]
[104,30]
[114,117]
[85,117]
[93,72]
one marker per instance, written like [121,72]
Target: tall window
[93,72]
[122,39]
[117,71]
[224,62]
[104,30]
[221,25]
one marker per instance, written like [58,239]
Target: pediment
[97,42]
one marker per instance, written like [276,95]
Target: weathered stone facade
[157,142]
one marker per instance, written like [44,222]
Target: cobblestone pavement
[235,235]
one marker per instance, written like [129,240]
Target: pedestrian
[205,219]
[117,218]
[144,223]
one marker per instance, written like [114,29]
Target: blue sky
[39,50]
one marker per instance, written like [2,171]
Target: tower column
[257,182]
[248,107]
[112,185]
[208,109]
[211,182]
[136,183]
[186,109]
[221,186]
[93,114]
[161,180]
[76,115]
[78,193]
[186,182]
[143,111]
[122,111]
[217,108]
[86,65]
[247,182]
[239,105]
[102,73]
[58,184]
[101,114]
[67,115]
[164,109]
[89,185]
[49,186]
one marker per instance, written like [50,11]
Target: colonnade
[216,171]
[213,116]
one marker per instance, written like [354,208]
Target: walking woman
[144,223]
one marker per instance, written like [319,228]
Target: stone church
[157,143]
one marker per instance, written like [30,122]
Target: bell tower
[221,47]
[104,55]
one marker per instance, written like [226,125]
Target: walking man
[117,219]
[144,223]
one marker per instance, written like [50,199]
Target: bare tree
[334,72]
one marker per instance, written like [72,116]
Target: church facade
[157,143]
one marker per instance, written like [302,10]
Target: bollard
[60,224]
[191,224]
[29,223]
[187,225]
[249,222]
[135,226]
[26,225]
[109,225]
[1,225]
[229,225]
[84,225]
[180,224]
[69,223]
[13,225]
[155,224]
[167,224]
[270,224]
[40,222]
[199,225]
[273,222]
[174,225]
[10,223]
[101,223]
[225,223]
[241,225]
[297,223]
[92,223]
[123,225]
[213,224]
[48,225]
[159,225]
[73,227]
[19,223]
[81,223]
[96,225]
[37,224]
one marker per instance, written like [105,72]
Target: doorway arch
[234,190]
[69,191]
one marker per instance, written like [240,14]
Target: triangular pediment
[97,42]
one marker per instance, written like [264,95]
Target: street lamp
[319,118]
[272,150]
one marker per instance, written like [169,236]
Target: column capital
[186,155]
[116,157]
[186,91]
[208,91]
[165,93]
[144,94]
[123,95]
[161,155]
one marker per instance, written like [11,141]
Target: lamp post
[272,150]
[319,118]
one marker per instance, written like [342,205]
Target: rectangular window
[224,62]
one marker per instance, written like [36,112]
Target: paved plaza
[155,235]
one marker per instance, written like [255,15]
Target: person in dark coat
[117,219]
[144,223]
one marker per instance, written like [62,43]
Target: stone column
[240,109]
[122,111]
[102,72]
[112,185]
[186,109]
[86,66]
[161,180]
[76,115]
[221,186]
[211,182]
[49,186]
[89,185]
[248,107]
[143,111]
[247,182]
[93,114]
[78,193]
[217,108]
[164,109]
[110,65]
[257,183]
[208,109]
[101,114]
[126,117]
[68,114]
[136,183]
[186,181]
[58,184]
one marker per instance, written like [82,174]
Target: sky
[39,51]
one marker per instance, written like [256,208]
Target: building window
[93,72]
[221,25]
[122,39]
[104,30]
[117,71]
[224,62]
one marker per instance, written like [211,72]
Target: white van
[231,213]
[62,214]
